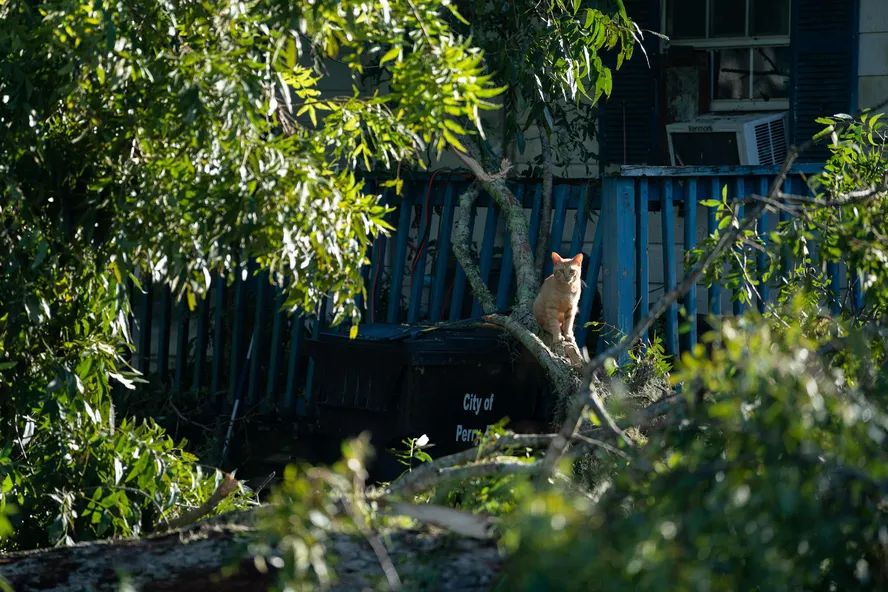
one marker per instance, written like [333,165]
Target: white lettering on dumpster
[472,402]
[467,434]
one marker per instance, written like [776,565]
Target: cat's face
[567,270]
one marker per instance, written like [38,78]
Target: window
[748,45]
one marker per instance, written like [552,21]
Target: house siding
[873,61]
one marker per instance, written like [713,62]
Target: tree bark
[542,247]
[211,557]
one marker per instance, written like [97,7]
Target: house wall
[873,57]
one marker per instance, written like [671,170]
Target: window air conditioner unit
[722,140]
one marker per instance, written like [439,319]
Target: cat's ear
[556,258]
[578,259]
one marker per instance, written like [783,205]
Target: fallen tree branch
[211,556]
[509,465]
[560,374]
[461,522]
[516,221]
[479,171]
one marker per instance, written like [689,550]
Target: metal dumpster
[403,381]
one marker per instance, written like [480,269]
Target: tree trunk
[212,557]
[520,323]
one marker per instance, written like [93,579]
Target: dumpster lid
[420,335]
[376,331]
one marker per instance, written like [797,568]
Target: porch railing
[633,227]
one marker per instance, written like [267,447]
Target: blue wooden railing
[609,220]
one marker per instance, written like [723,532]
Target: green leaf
[710,203]
[453,140]
[390,55]
[455,127]
[488,93]
[41,254]
[452,8]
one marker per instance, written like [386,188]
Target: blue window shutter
[629,119]
[824,67]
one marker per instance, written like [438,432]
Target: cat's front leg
[553,325]
[567,325]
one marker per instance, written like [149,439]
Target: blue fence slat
[835,285]
[377,265]
[418,272]
[857,300]
[459,278]
[276,347]
[690,241]
[506,266]
[642,253]
[146,313]
[487,242]
[218,337]
[182,332]
[580,220]
[201,340]
[403,235]
[163,344]
[711,227]
[304,404]
[297,331]
[740,192]
[787,262]
[618,255]
[561,193]
[235,366]
[667,213]
[259,335]
[593,270]
[445,231]
[763,260]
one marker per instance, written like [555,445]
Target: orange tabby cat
[555,307]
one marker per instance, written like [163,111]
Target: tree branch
[434,477]
[542,246]
[516,221]
[563,377]
[462,234]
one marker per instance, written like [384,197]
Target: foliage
[415,450]
[310,506]
[774,474]
[173,142]
[549,58]
[550,54]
